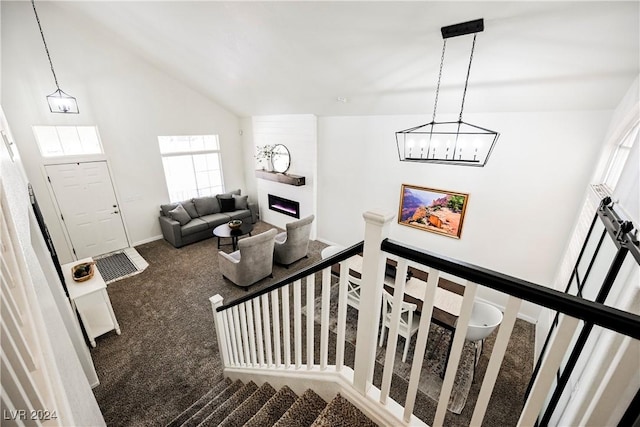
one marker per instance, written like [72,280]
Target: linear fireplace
[284,206]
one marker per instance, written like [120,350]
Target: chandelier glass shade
[454,142]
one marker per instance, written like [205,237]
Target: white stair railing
[30,392]
[254,338]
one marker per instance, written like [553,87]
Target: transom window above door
[57,141]
[192,166]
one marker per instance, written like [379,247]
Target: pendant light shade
[59,102]
[455,142]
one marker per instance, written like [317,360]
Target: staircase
[234,404]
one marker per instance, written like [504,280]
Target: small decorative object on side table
[234,224]
[82,272]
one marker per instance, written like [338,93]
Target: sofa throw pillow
[241,202]
[207,205]
[180,214]
[229,194]
[227,205]
[167,207]
[190,207]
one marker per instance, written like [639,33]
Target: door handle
[115,212]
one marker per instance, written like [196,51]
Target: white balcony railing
[263,334]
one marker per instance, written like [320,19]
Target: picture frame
[429,209]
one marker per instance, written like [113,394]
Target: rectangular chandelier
[454,143]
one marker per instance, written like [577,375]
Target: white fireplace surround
[299,134]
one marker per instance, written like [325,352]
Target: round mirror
[280,158]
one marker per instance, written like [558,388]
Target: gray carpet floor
[167,356]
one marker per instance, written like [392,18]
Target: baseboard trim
[149,240]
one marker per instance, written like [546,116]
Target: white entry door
[89,208]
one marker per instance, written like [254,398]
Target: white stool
[485,318]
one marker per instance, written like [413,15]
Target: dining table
[447,300]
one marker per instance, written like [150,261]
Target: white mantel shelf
[283,178]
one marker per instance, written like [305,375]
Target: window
[192,166]
[56,141]
[619,158]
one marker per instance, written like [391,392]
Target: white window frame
[619,157]
[66,148]
[199,191]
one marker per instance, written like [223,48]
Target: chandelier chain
[435,106]
[466,82]
[45,44]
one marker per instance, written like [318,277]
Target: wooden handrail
[600,314]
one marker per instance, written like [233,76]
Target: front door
[87,202]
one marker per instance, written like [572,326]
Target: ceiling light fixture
[458,142]
[59,102]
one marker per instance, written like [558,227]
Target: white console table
[92,302]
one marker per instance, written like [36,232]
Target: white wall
[521,205]
[299,134]
[600,392]
[627,191]
[130,101]
[249,149]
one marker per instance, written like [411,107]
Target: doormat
[118,265]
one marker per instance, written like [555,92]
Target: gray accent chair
[293,244]
[252,261]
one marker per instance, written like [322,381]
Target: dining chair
[409,320]
[353,292]
[353,284]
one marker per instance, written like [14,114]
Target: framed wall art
[432,210]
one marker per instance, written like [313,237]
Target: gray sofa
[193,220]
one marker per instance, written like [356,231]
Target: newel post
[216,301]
[373,265]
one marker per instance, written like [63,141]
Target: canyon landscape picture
[432,210]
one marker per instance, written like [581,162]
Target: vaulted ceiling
[383,57]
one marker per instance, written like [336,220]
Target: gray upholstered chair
[252,261]
[293,244]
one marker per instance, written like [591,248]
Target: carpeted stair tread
[213,404]
[342,413]
[249,407]
[187,413]
[222,411]
[275,408]
[303,412]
